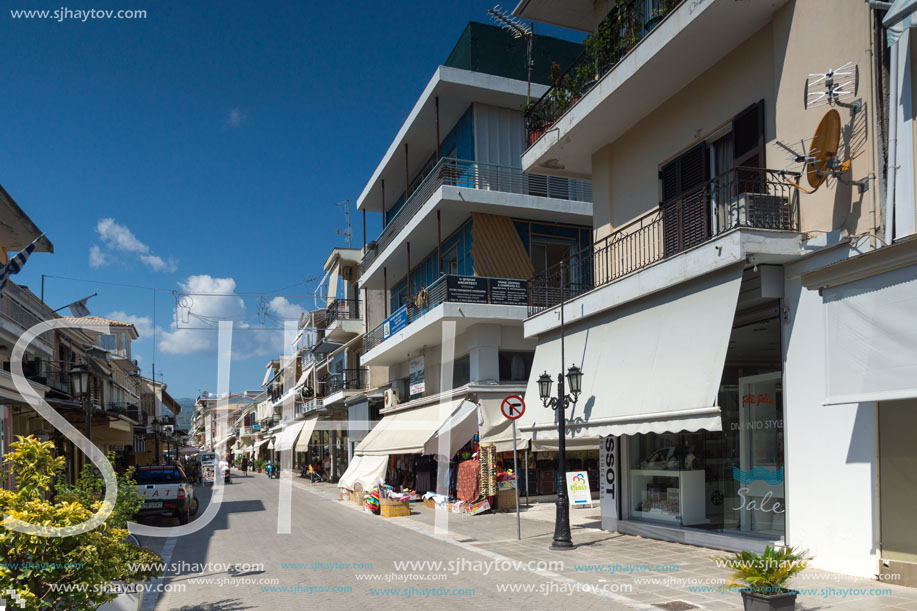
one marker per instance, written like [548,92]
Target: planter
[754,601]
[652,23]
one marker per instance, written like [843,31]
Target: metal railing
[49,373]
[474,175]
[743,197]
[608,48]
[308,406]
[342,309]
[449,288]
[348,379]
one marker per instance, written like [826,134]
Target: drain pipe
[892,145]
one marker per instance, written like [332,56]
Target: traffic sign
[513,407]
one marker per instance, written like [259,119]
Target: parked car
[165,490]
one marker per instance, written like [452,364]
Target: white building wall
[830,450]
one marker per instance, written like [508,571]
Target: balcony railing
[308,406]
[449,288]
[342,309]
[474,175]
[743,197]
[348,379]
[617,35]
[48,373]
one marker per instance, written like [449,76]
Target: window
[547,252]
[461,371]
[515,366]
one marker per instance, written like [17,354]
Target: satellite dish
[823,149]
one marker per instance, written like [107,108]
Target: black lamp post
[157,428]
[562,538]
[79,380]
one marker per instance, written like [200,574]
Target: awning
[268,374]
[406,432]
[289,435]
[456,431]
[871,338]
[326,346]
[304,377]
[367,471]
[262,442]
[495,428]
[651,366]
[899,17]
[306,435]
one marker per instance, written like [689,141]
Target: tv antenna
[347,233]
[837,86]
[518,29]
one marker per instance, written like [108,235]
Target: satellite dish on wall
[823,150]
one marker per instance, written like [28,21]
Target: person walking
[245,466]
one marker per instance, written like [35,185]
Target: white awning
[456,431]
[900,17]
[368,471]
[268,374]
[262,442]
[333,283]
[346,480]
[289,435]
[651,366]
[871,338]
[495,428]
[306,374]
[406,432]
[306,435]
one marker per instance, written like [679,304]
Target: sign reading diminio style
[396,322]
[608,482]
[416,380]
[466,289]
[578,488]
[506,291]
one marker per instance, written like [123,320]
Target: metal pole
[516,473]
[562,538]
[526,476]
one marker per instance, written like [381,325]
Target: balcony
[343,319]
[308,406]
[637,59]
[348,379]
[245,431]
[48,373]
[750,198]
[469,187]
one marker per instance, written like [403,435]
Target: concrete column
[484,343]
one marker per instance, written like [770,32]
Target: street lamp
[562,538]
[157,428]
[79,381]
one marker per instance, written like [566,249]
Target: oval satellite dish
[823,149]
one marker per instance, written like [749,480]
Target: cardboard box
[390,508]
[479,507]
[429,503]
[357,497]
[507,485]
[345,495]
[505,499]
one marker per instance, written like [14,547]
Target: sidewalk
[661,575]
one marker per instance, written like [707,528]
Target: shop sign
[466,289]
[505,291]
[396,322]
[608,482]
[578,488]
[416,379]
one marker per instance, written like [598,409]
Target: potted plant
[763,578]
[259,465]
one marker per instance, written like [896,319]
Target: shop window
[461,371]
[515,366]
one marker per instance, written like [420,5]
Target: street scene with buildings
[617,307]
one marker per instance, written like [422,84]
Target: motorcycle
[272,471]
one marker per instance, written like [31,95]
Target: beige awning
[407,431]
[495,428]
[368,471]
[456,431]
[306,435]
[289,435]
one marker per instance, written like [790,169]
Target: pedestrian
[245,466]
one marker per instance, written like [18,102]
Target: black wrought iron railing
[348,379]
[475,175]
[342,309]
[615,38]
[449,288]
[53,374]
[743,197]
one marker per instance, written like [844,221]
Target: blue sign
[256,427]
[396,322]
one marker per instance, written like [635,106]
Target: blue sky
[205,146]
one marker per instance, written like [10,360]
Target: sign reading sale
[608,482]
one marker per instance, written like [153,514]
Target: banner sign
[608,482]
[466,289]
[416,376]
[396,322]
[578,488]
[505,291]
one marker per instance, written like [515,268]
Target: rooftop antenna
[518,29]
[839,84]
[347,233]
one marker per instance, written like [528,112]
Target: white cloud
[206,301]
[143,324]
[97,258]
[119,238]
[235,117]
[284,309]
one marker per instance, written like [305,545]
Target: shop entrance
[898,490]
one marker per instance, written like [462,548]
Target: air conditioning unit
[391,397]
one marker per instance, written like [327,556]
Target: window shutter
[669,177]
[748,136]
[685,217]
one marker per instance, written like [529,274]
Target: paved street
[326,531]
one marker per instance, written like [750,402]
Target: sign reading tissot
[609,456]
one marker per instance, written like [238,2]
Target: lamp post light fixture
[562,538]
[79,381]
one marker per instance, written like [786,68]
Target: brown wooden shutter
[685,217]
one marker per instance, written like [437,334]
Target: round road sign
[513,407]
